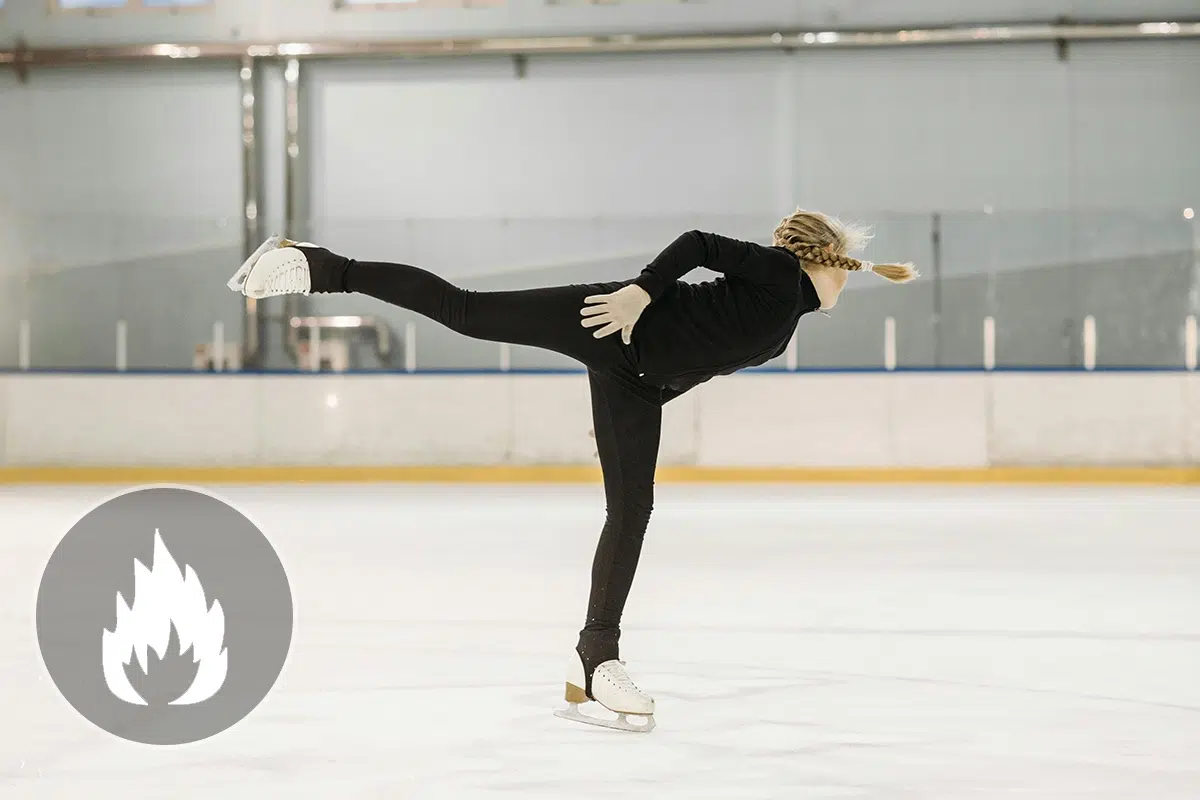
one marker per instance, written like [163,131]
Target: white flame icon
[166,596]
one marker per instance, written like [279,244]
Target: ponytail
[814,254]
[819,239]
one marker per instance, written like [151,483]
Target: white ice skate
[275,268]
[611,688]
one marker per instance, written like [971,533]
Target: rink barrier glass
[71,279]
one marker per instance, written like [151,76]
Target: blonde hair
[826,241]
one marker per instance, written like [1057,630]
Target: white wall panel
[553,423]
[938,420]
[399,420]
[814,420]
[132,420]
[551,420]
[436,419]
[681,424]
[1089,419]
[844,421]
[811,420]
[1191,418]
[304,421]
[4,417]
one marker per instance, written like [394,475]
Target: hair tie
[867,266]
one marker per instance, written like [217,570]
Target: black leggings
[626,413]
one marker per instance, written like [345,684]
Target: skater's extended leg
[547,318]
[628,425]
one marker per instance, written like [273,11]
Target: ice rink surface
[801,642]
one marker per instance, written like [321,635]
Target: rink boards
[918,426]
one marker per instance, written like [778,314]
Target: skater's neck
[828,282]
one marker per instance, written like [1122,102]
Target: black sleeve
[720,254]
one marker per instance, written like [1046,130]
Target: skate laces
[289,277]
[620,678]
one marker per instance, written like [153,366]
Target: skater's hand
[618,311]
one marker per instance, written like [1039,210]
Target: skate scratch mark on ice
[815,630]
[743,693]
[819,749]
[813,678]
[1021,689]
[415,687]
[931,632]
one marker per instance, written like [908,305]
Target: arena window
[425,4]
[87,6]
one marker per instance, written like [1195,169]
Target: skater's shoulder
[743,249]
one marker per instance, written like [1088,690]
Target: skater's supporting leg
[547,318]
[628,423]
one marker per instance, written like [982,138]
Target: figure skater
[674,335]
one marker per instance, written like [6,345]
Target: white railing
[218,350]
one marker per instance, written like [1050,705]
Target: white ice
[801,642]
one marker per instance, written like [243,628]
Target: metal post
[291,172]
[1189,214]
[989,344]
[936,266]
[314,347]
[253,325]
[889,344]
[122,345]
[1191,337]
[218,347]
[1089,343]
[24,346]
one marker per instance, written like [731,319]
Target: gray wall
[120,199]
[114,181]
[594,164]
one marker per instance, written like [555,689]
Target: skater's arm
[717,253]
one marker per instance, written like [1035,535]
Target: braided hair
[824,241]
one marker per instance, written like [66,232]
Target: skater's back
[745,317]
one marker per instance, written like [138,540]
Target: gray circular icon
[164,616]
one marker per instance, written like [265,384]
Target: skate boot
[609,685]
[276,268]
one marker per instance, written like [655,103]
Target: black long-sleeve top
[691,333]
